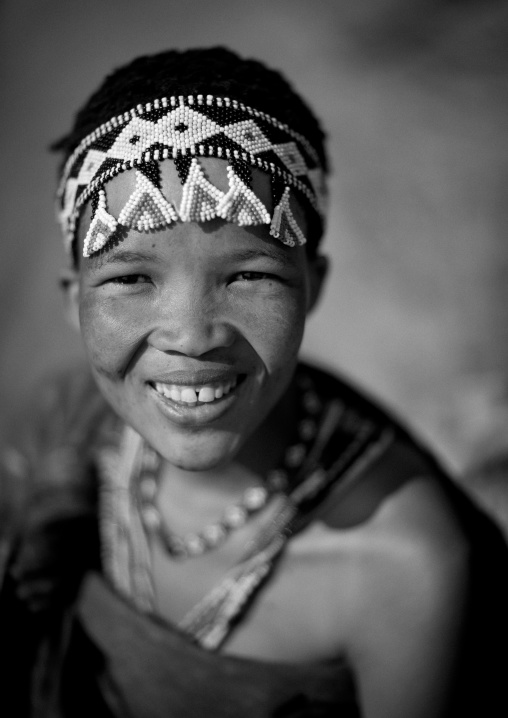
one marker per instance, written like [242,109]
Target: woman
[205,526]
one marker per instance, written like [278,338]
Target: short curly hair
[214,70]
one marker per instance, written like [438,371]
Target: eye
[252,276]
[127,279]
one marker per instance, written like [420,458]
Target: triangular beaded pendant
[101,229]
[240,204]
[147,208]
[284,225]
[200,197]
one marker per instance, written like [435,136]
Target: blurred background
[413,95]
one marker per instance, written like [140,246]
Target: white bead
[148,488]
[255,497]
[194,545]
[214,533]
[151,518]
[235,516]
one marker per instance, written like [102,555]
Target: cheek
[114,329]
[275,328]
[111,334]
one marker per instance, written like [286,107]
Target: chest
[298,613]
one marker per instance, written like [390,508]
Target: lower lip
[197,414]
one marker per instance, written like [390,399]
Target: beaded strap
[172,102]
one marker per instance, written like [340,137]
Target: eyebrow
[125,256]
[245,255]
[128,256]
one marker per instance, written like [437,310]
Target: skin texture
[378,578]
[216,298]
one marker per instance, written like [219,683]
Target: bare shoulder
[405,564]
[412,551]
[418,518]
[389,550]
[402,525]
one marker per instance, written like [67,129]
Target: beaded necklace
[335,443]
[236,515]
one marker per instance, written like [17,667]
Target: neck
[266,447]
[262,452]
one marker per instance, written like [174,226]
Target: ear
[69,284]
[318,271]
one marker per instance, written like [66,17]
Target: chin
[197,463]
[198,455]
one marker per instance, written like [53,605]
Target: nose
[191,324]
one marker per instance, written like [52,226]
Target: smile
[192,395]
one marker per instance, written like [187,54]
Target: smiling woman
[198,524]
[195,307]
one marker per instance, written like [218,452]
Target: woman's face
[193,331]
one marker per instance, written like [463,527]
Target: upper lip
[199,377]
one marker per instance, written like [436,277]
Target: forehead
[197,249]
[120,190]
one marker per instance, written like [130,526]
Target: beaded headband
[182,129]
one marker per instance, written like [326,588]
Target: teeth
[206,394]
[191,394]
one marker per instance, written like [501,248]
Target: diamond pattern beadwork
[93,161]
[248,135]
[181,128]
[292,158]
[69,199]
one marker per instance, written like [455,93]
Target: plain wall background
[414,97]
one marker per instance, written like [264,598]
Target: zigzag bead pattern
[240,205]
[284,225]
[102,228]
[200,198]
[147,208]
[178,127]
